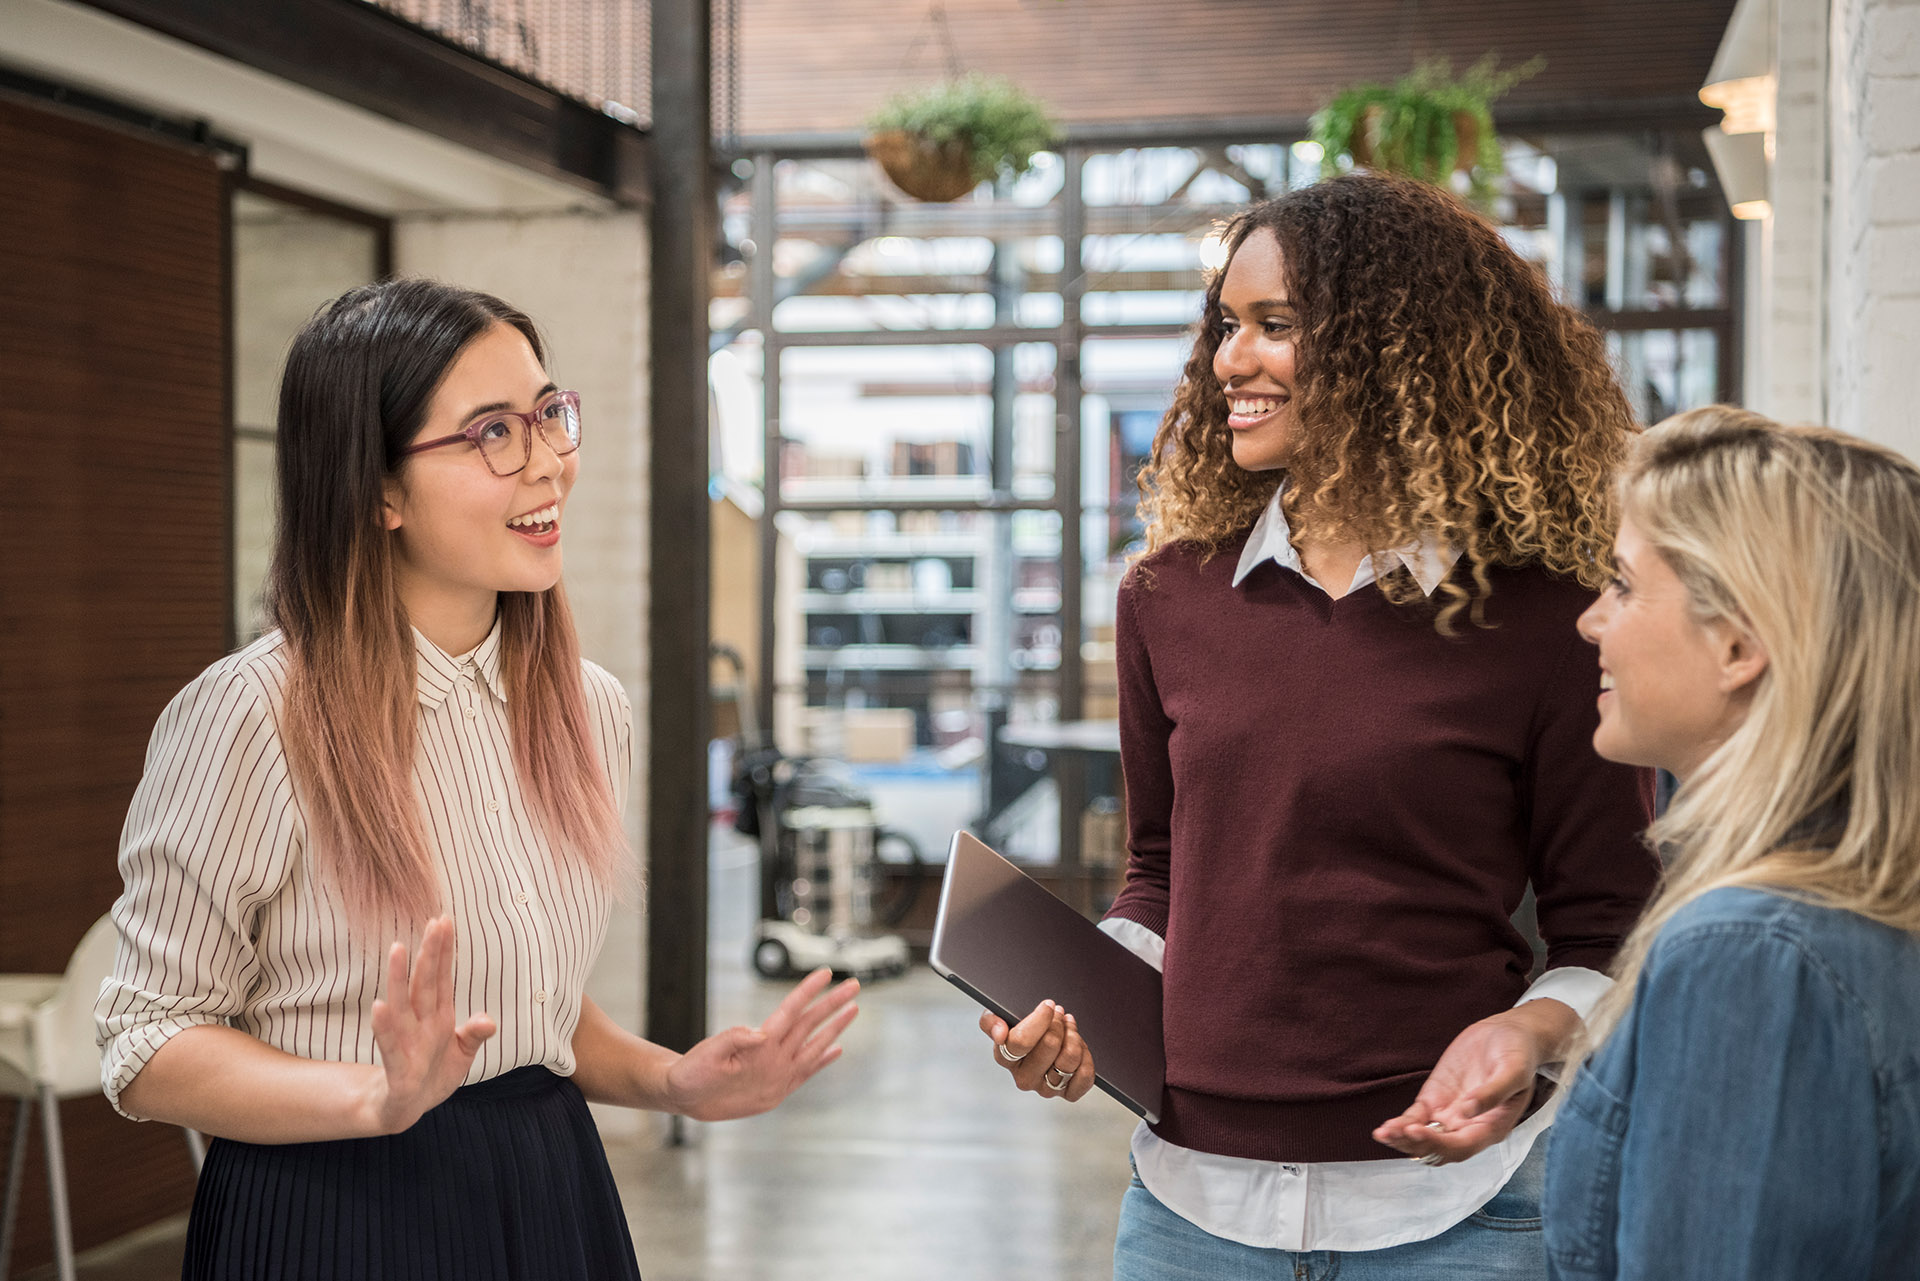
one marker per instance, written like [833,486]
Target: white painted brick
[1893,40]
[1883,401]
[1894,184]
[1892,115]
[1893,261]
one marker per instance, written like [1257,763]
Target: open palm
[745,1071]
[424,1055]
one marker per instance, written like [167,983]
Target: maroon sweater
[1332,812]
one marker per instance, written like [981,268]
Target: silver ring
[1061,1084]
[1011,1058]
[1431,1158]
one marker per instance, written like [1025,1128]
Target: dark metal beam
[826,506]
[1680,113]
[679,715]
[762,284]
[993,336]
[1070,768]
[360,54]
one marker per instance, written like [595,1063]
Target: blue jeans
[1501,1242]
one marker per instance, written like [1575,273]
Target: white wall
[287,263]
[1787,354]
[1873,236]
[583,278]
[1839,269]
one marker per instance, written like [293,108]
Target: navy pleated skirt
[505,1181]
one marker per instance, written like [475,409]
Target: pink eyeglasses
[505,438]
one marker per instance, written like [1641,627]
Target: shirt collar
[438,671]
[1428,560]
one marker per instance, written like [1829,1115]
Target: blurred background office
[860,479]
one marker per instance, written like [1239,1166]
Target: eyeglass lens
[503,441]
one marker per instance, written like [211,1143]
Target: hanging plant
[939,142]
[1426,125]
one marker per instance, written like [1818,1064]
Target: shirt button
[521,897]
[493,807]
[1290,1169]
[541,996]
[471,714]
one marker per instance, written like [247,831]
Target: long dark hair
[357,387]
[1440,390]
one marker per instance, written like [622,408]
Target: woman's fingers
[1083,1073]
[822,1041]
[1031,1072]
[434,957]
[399,990]
[782,1020]
[1043,1052]
[1057,1081]
[825,1008]
[1025,1036]
[474,1033]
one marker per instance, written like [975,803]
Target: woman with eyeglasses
[374,853]
[1354,724]
[1753,1107]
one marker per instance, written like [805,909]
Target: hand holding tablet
[1004,940]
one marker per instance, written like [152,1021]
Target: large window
[948,403]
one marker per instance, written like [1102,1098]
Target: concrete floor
[912,1156]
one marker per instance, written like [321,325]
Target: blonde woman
[373,855]
[1753,1108]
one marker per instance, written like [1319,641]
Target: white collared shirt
[1338,1205]
[222,921]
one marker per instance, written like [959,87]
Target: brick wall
[1873,234]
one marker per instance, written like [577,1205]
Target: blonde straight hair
[358,382]
[1808,539]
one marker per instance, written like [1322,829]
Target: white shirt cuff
[1573,986]
[1139,940]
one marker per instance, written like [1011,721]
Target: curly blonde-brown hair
[1440,392]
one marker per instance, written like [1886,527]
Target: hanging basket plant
[938,143]
[1426,125]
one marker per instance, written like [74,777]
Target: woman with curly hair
[1355,724]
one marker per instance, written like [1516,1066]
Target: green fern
[1001,125]
[1413,131]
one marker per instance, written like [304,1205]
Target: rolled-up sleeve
[211,834]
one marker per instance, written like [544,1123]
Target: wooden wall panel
[807,67]
[113,579]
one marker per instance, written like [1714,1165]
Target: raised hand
[746,1071]
[1482,1084]
[424,1056]
[1044,1052]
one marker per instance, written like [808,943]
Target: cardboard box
[876,734]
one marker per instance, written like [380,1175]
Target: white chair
[47,1053]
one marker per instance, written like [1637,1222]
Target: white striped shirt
[223,922]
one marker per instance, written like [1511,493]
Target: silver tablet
[1001,938]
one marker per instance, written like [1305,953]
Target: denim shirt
[1757,1113]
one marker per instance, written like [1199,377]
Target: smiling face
[461,534]
[1672,687]
[1255,359]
